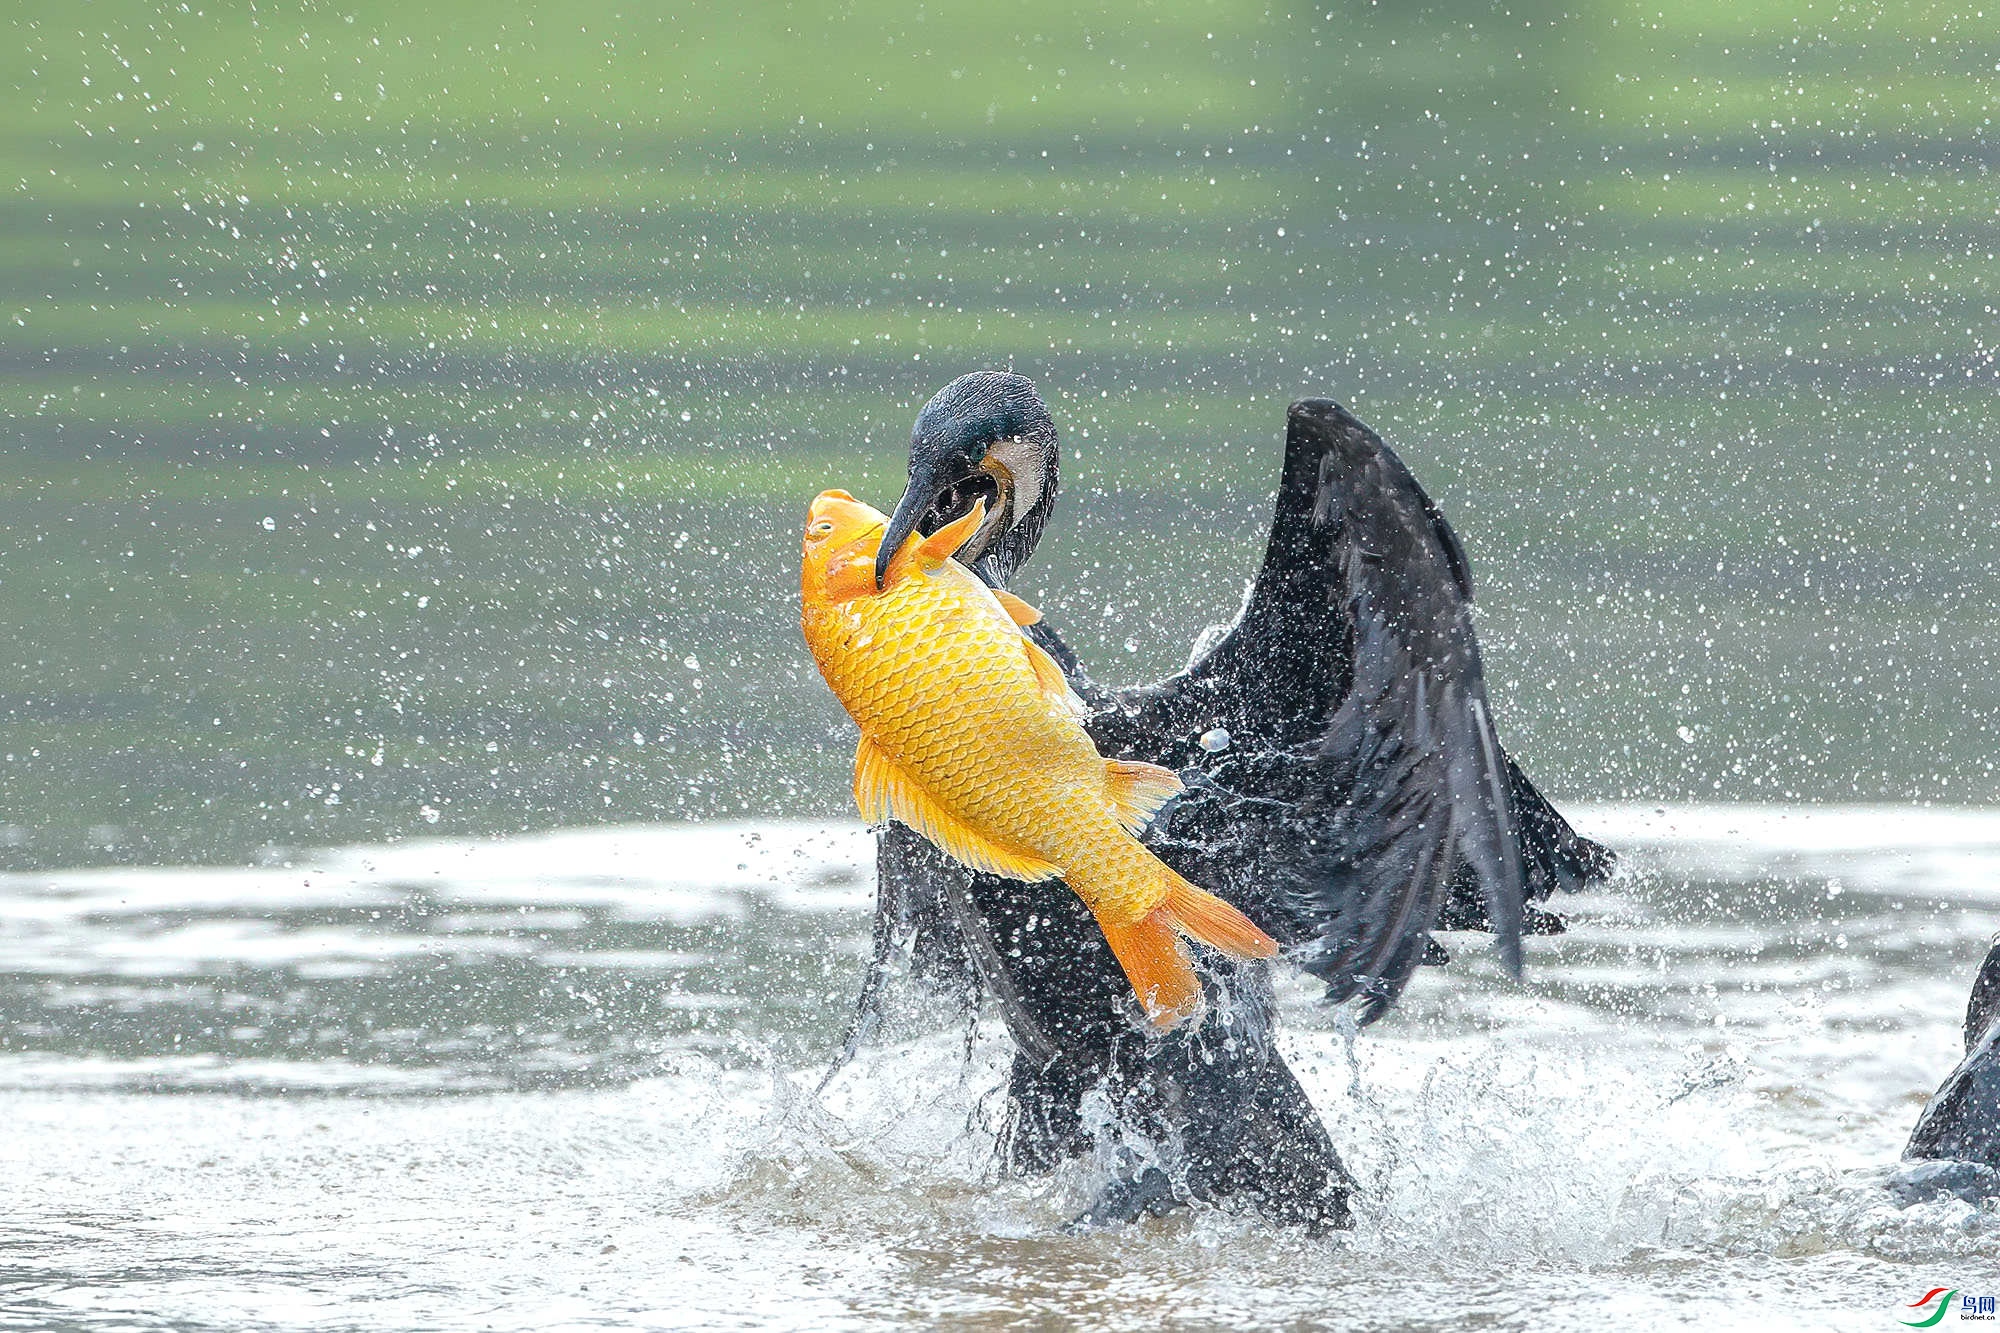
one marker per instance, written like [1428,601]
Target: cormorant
[1955,1148]
[1346,790]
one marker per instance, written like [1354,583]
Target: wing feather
[1364,790]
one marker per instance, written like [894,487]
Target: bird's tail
[1155,960]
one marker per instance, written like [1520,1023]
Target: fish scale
[971,736]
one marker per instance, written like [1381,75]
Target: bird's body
[1360,800]
[970,735]
[1963,1118]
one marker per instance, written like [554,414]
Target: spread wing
[1348,789]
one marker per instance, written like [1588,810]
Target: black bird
[1346,790]
[1955,1147]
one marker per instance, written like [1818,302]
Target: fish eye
[821,528]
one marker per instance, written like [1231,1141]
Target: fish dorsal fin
[921,555]
[884,791]
[1139,790]
[1023,614]
[1049,677]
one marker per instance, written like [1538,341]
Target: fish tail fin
[1214,922]
[1156,963]
[1155,960]
[1138,790]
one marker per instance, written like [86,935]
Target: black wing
[1347,789]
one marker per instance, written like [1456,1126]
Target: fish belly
[945,689]
[939,680]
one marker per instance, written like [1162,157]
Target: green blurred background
[406,411]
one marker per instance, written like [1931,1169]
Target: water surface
[567,1081]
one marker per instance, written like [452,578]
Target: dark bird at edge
[1346,791]
[1955,1147]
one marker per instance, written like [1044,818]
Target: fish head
[841,537]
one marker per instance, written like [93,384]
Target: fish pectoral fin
[871,792]
[1049,678]
[921,555]
[943,544]
[1023,614]
[883,791]
[1138,791]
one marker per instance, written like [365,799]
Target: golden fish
[971,736]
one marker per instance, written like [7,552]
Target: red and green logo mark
[1976,1309]
[1936,1315]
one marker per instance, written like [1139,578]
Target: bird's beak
[917,497]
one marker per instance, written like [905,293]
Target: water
[567,1081]
[406,413]
[395,399]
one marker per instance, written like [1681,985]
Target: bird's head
[984,436]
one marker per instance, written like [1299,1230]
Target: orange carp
[971,736]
